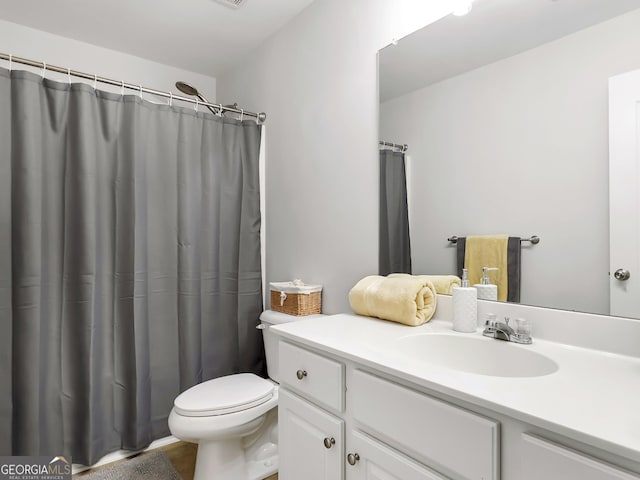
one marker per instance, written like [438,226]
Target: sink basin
[479,355]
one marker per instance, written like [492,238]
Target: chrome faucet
[502,331]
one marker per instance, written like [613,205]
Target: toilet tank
[270,318]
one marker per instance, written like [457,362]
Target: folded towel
[411,300]
[443,283]
[513,268]
[488,251]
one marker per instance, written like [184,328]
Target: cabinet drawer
[543,459]
[313,376]
[451,440]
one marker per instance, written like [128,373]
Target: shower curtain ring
[171,99]
[140,88]
[95,81]
[122,88]
[10,62]
[196,106]
[220,111]
[241,114]
[44,68]
[69,75]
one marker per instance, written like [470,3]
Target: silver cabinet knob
[622,274]
[301,374]
[353,458]
[329,442]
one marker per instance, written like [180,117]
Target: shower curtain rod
[402,147]
[260,117]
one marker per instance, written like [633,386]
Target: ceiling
[493,30]
[202,36]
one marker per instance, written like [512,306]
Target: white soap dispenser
[465,306]
[487,290]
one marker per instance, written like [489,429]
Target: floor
[183,458]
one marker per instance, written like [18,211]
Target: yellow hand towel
[488,251]
[411,301]
[443,283]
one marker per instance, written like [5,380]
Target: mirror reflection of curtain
[129,263]
[394,244]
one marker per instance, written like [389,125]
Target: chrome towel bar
[534,239]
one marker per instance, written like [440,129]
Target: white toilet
[233,419]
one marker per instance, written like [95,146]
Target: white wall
[520,147]
[317,81]
[37,45]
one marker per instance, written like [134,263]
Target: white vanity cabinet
[340,420]
[395,415]
[368,428]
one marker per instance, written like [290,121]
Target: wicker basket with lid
[296,298]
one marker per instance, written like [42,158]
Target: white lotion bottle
[465,306]
[487,290]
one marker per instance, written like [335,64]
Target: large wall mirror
[505,112]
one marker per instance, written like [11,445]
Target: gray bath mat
[147,466]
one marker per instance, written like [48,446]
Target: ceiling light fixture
[231,3]
[462,7]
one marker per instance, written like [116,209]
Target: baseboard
[122,454]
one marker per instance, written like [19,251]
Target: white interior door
[624,188]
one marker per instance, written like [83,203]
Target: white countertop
[593,397]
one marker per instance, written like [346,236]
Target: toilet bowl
[233,419]
[225,417]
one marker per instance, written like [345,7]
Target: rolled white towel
[408,300]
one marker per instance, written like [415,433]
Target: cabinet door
[378,462]
[545,460]
[311,441]
[454,441]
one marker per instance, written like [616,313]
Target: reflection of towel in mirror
[411,300]
[501,251]
[443,283]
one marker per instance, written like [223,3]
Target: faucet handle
[523,327]
[506,320]
[491,320]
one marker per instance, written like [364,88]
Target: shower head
[192,91]
[187,89]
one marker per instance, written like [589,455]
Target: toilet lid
[224,395]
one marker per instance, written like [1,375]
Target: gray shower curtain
[129,263]
[394,255]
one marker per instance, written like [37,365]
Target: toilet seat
[224,395]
